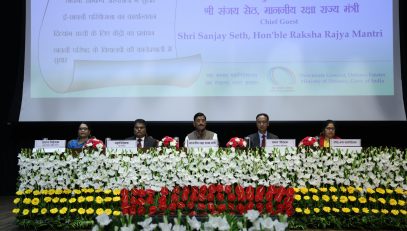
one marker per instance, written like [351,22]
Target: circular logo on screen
[281,76]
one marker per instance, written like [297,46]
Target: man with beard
[200,132]
[140,135]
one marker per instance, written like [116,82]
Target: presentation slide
[165,60]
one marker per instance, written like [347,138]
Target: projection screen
[118,60]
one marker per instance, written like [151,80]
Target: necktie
[263,141]
[139,142]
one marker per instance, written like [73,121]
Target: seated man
[200,132]
[140,135]
[258,139]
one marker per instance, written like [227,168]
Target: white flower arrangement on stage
[369,169]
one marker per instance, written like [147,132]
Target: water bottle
[247,139]
[107,139]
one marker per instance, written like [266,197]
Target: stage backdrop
[166,60]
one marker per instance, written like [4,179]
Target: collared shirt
[261,136]
[141,142]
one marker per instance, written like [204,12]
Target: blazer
[255,139]
[149,141]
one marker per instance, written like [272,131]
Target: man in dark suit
[259,138]
[140,135]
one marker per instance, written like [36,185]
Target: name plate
[50,145]
[202,143]
[345,142]
[122,145]
[280,143]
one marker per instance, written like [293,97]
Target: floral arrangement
[168,141]
[365,189]
[94,144]
[34,208]
[236,142]
[324,204]
[249,221]
[213,199]
[309,141]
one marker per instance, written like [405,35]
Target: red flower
[142,193]
[221,208]
[201,206]
[212,188]
[250,205]
[133,210]
[280,194]
[260,190]
[125,209]
[269,208]
[165,191]
[194,197]
[309,141]
[231,197]
[220,197]
[236,142]
[231,207]
[259,207]
[152,210]
[172,206]
[219,188]
[176,190]
[211,197]
[133,201]
[174,197]
[195,189]
[202,197]
[150,200]
[134,192]
[191,205]
[181,205]
[150,192]
[162,200]
[192,213]
[141,210]
[168,141]
[162,206]
[241,208]
[95,144]
[250,193]
[211,207]
[228,189]
[269,196]
[124,192]
[184,196]
[203,189]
